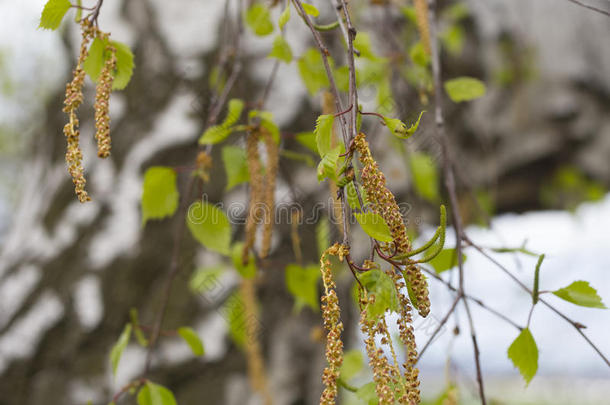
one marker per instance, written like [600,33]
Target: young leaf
[249,269]
[234,312]
[159,193]
[308,140]
[214,135]
[375,226]
[580,293]
[281,50]
[324,133]
[94,63]
[312,71]
[192,339]
[464,89]
[396,126]
[327,168]
[258,19]
[299,157]
[124,65]
[379,284]
[234,110]
[322,235]
[524,354]
[367,394]
[302,283]
[206,279]
[119,347]
[352,364]
[418,55]
[352,196]
[284,17]
[137,331]
[446,259]
[210,226]
[154,394]
[362,43]
[425,176]
[236,167]
[311,10]
[536,293]
[52,14]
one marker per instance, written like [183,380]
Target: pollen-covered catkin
[73,100]
[331,314]
[102,99]
[421,13]
[269,192]
[256,184]
[382,202]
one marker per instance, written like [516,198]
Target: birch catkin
[102,99]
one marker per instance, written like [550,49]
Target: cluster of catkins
[73,100]
[382,201]
[262,190]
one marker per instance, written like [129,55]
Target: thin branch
[450,185]
[597,10]
[577,325]
[440,326]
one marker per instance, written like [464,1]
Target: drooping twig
[597,10]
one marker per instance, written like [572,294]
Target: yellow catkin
[331,314]
[269,191]
[256,184]
[203,166]
[102,99]
[383,372]
[256,364]
[73,100]
[382,202]
[407,337]
[421,12]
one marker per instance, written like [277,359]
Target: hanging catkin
[256,184]
[269,191]
[102,99]
[382,202]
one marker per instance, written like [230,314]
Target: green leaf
[311,10]
[79,12]
[137,331]
[214,135]
[524,354]
[425,176]
[249,269]
[580,293]
[446,259]
[119,347]
[210,226]
[258,19]
[52,14]
[94,62]
[234,110]
[281,50]
[324,133]
[341,75]
[154,394]
[396,126]
[453,39]
[234,313]
[418,55]
[353,363]
[312,71]
[375,226]
[124,65]
[302,283]
[327,168]
[236,166]
[464,89]
[368,394]
[536,292]
[159,193]
[322,235]
[205,279]
[362,43]
[307,139]
[379,284]
[284,17]
[300,157]
[192,339]
[352,196]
